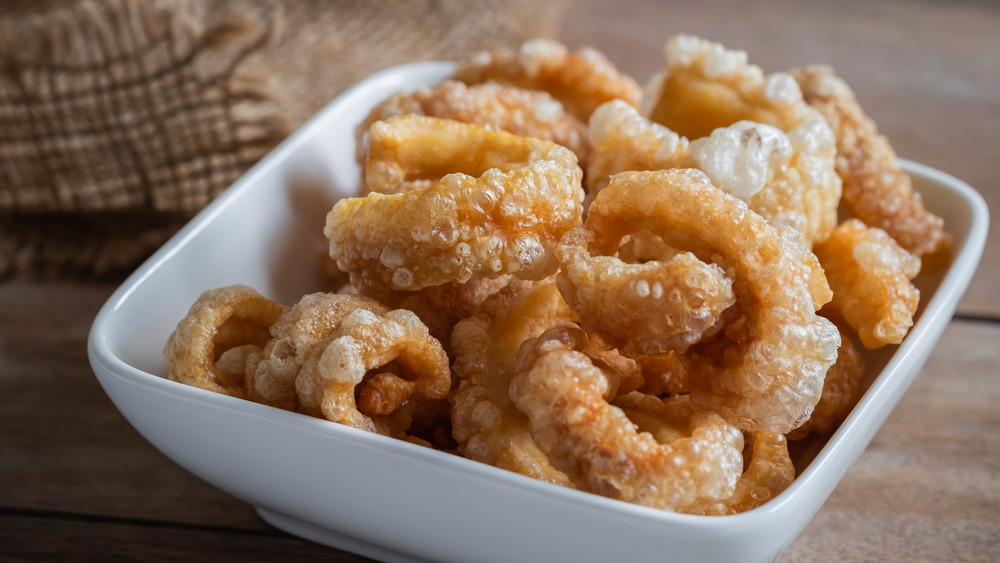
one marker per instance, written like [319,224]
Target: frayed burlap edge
[118,121]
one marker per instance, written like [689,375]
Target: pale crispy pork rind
[526,113]
[770,471]
[651,308]
[870,276]
[773,378]
[565,397]
[621,140]
[392,350]
[219,320]
[271,372]
[487,425]
[581,80]
[789,180]
[496,204]
[876,190]
[706,87]
[841,390]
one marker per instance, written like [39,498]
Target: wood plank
[28,538]
[63,445]
[928,486]
[927,72]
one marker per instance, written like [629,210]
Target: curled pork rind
[769,473]
[565,397]
[706,87]
[496,204]
[841,390]
[581,80]
[271,372]
[487,425]
[394,350]
[219,320]
[621,139]
[870,276]
[773,378]
[526,113]
[651,308]
[755,162]
[875,189]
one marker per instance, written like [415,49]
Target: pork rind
[870,275]
[220,319]
[487,425]
[526,113]
[772,378]
[565,397]
[494,204]
[876,190]
[789,179]
[581,80]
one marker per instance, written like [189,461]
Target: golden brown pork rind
[876,190]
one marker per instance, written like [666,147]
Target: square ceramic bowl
[395,501]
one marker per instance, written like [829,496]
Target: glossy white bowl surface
[395,501]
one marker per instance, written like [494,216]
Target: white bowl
[395,501]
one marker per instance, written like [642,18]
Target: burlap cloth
[121,119]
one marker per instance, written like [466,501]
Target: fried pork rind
[440,307]
[621,140]
[271,372]
[581,80]
[772,378]
[789,180]
[706,87]
[526,113]
[487,426]
[876,190]
[219,320]
[770,472]
[496,204]
[841,390]
[651,308]
[565,397]
[870,276]
[393,351]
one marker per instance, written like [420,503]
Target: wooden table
[77,482]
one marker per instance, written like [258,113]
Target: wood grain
[78,483]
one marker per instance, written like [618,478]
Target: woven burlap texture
[121,119]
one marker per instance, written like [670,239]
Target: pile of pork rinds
[640,293]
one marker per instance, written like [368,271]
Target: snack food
[222,318]
[364,342]
[581,80]
[271,372]
[773,377]
[875,189]
[643,309]
[595,444]
[489,203]
[870,275]
[706,87]
[662,352]
[487,425]
[526,113]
